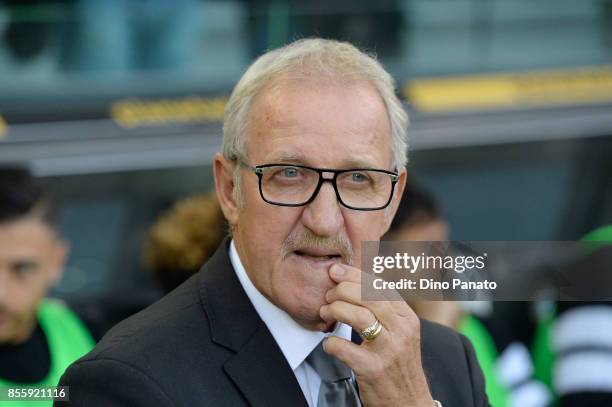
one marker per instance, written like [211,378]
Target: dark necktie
[337,389]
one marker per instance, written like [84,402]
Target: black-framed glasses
[364,189]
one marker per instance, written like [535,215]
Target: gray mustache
[300,241]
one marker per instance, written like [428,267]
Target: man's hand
[388,369]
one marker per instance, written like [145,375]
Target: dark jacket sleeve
[108,382]
[476,377]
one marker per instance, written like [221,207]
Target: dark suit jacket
[205,345]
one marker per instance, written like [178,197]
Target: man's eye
[289,172]
[24,268]
[358,177]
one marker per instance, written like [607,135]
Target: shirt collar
[294,341]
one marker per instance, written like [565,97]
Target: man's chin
[317,324]
[5,328]
[306,313]
[7,337]
[327,326]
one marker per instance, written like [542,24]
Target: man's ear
[223,170]
[398,193]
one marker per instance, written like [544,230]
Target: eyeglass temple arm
[256,170]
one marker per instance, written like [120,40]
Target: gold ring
[371,332]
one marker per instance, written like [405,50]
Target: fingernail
[338,270]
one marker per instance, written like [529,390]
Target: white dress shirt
[295,341]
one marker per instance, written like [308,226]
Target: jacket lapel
[258,368]
[262,373]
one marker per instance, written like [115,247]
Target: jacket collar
[258,367]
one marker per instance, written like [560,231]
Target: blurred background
[118,105]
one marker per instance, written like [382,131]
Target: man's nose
[4,283]
[323,216]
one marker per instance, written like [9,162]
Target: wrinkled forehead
[320,121]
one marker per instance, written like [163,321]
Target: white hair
[339,61]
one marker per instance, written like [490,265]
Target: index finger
[343,272]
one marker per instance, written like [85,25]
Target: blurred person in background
[419,218]
[39,337]
[506,363]
[573,346]
[183,239]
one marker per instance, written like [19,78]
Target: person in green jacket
[572,343]
[39,337]
[507,367]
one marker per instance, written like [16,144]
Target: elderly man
[312,165]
